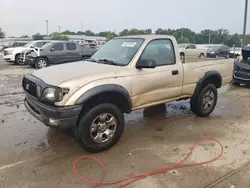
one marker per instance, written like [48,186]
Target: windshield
[28,44]
[182,45]
[121,51]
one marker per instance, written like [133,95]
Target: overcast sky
[19,17]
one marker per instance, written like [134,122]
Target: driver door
[164,82]
[57,53]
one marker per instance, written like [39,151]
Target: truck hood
[16,49]
[55,75]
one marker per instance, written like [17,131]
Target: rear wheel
[227,56]
[201,56]
[100,127]
[41,63]
[205,101]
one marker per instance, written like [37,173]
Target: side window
[193,46]
[58,47]
[160,50]
[70,46]
[188,46]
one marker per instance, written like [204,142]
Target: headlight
[9,52]
[54,94]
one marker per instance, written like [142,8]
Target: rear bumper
[232,55]
[61,117]
[28,61]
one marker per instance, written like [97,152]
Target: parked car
[55,52]
[235,52]
[13,54]
[126,74]
[218,51]
[241,73]
[191,51]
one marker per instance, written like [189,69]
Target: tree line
[182,35]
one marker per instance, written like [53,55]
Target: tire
[18,61]
[227,56]
[197,102]
[216,56]
[87,139]
[41,63]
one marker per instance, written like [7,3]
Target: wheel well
[17,55]
[85,56]
[213,79]
[182,53]
[201,54]
[42,57]
[115,98]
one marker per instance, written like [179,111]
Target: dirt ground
[35,156]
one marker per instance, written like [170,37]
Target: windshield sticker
[129,44]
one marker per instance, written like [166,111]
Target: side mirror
[146,63]
[52,49]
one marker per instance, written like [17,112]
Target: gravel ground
[33,155]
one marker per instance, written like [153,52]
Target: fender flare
[101,89]
[208,75]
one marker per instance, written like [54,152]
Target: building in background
[90,41]
[9,41]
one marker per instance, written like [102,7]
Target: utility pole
[245,24]
[209,37]
[47,27]
[81,26]
[59,28]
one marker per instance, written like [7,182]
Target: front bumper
[209,55]
[9,58]
[241,77]
[61,117]
[28,60]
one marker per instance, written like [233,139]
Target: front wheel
[205,101]
[100,128]
[18,61]
[41,63]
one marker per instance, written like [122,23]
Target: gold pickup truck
[126,74]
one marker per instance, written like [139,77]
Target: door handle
[175,72]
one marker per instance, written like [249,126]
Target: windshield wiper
[91,60]
[106,61]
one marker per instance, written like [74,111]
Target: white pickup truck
[13,54]
[126,74]
[191,51]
